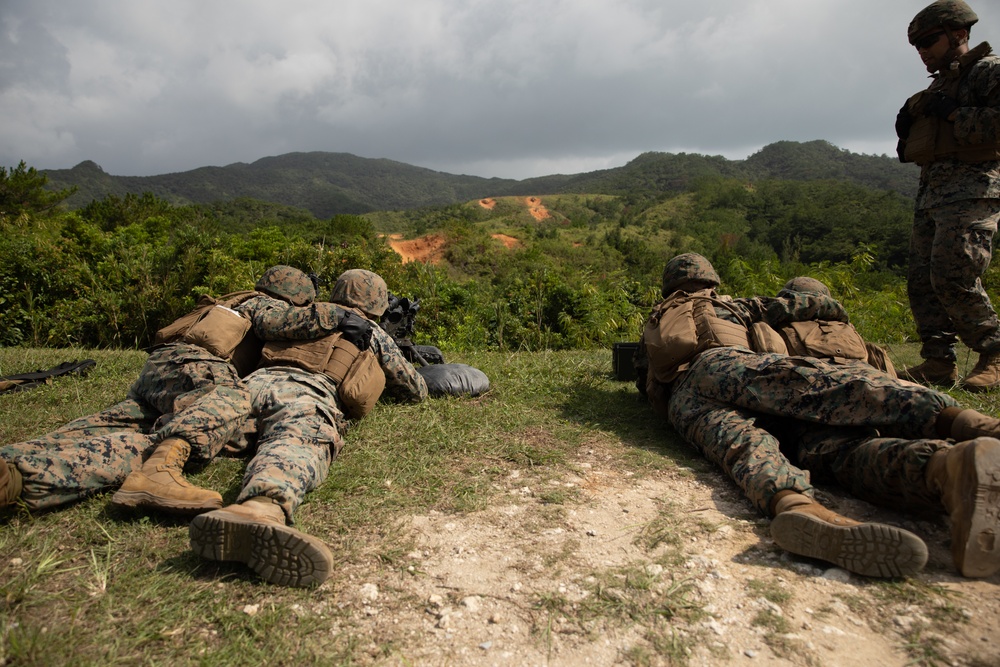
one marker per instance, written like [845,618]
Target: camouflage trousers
[736,406]
[299,429]
[97,452]
[950,250]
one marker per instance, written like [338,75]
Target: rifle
[397,321]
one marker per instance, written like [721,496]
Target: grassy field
[86,585]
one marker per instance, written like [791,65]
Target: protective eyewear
[927,41]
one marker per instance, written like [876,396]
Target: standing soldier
[952,130]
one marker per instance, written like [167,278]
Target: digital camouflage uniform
[300,426]
[183,391]
[730,402]
[958,202]
[770,420]
[97,452]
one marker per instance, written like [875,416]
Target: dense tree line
[110,273]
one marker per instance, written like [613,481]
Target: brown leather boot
[160,484]
[985,375]
[933,371]
[254,533]
[968,478]
[803,526]
[10,483]
[967,424]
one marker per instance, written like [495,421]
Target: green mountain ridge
[328,184]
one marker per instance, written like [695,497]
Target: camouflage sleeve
[274,319]
[979,123]
[402,381]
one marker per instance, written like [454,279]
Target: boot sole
[976,540]
[869,549]
[278,553]
[145,500]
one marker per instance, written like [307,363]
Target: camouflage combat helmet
[363,290]
[950,14]
[288,284]
[685,268]
[804,285]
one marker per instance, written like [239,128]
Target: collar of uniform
[964,61]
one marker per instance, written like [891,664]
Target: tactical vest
[932,138]
[344,356]
[824,339]
[213,325]
[684,325]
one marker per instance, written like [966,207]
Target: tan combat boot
[803,526]
[10,483]
[985,375]
[968,478]
[160,483]
[254,533]
[961,424]
[933,371]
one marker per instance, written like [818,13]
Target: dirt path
[671,569]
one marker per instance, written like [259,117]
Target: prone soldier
[901,445]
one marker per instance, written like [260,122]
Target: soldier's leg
[178,377]
[967,478]
[295,447]
[890,472]
[198,432]
[57,473]
[817,391]
[962,252]
[206,407]
[731,439]
[960,256]
[964,479]
[128,415]
[210,421]
[934,326]
[297,440]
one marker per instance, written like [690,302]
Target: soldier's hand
[941,105]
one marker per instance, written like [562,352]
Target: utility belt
[345,356]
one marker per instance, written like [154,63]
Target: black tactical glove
[940,105]
[357,330]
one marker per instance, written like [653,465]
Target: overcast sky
[508,88]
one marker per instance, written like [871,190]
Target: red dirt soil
[430,249]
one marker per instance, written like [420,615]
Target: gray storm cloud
[506,88]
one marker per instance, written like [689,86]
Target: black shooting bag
[454,380]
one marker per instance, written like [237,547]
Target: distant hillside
[330,183]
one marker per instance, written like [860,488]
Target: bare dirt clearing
[428,249]
[600,568]
[431,248]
